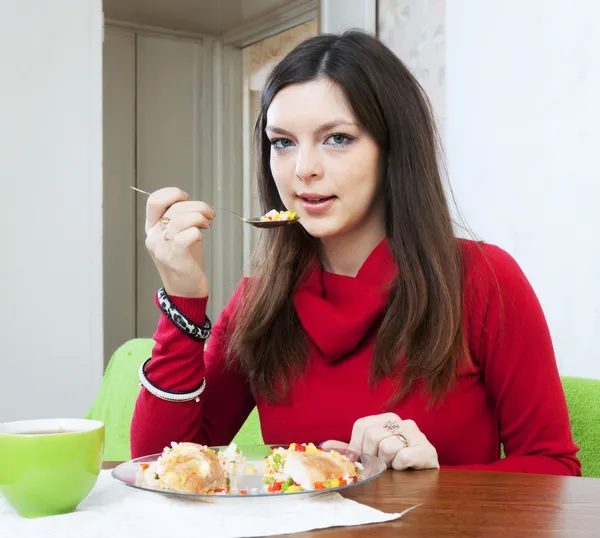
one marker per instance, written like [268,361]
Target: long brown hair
[423,321]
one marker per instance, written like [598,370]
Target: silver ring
[163,223]
[403,439]
[166,237]
[391,426]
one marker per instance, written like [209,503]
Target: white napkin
[113,510]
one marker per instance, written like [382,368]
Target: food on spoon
[304,467]
[191,468]
[279,215]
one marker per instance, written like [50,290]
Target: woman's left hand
[398,442]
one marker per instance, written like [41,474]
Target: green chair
[583,399]
[115,401]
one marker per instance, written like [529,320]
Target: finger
[342,448]
[416,457]
[191,207]
[373,437]
[160,242]
[158,203]
[359,430]
[388,448]
[154,239]
[327,446]
[183,221]
[412,433]
[185,239]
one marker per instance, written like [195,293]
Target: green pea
[277,458]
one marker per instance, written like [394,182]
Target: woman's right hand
[174,240]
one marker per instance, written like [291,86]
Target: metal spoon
[256,222]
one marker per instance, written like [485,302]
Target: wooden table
[470,503]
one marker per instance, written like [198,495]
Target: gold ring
[163,223]
[403,439]
[391,426]
[165,236]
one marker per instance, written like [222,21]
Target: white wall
[51,196]
[522,137]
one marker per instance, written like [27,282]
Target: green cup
[48,466]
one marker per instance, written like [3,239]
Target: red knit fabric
[511,393]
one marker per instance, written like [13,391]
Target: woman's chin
[320,229]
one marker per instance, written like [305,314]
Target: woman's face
[324,164]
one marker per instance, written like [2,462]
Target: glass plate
[249,481]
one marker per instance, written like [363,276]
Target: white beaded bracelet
[169,396]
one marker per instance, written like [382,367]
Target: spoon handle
[219,208]
[232,212]
[139,190]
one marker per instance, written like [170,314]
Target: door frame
[276,21]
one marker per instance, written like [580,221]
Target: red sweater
[510,394]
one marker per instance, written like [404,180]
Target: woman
[367,325]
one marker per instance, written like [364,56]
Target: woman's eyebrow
[321,129]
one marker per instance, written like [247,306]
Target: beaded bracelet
[180,321]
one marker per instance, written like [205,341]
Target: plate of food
[222,474]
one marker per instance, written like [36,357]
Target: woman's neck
[346,254]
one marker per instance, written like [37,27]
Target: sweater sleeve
[511,342]
[179,363]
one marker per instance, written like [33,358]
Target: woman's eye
[338,140]
[280,144]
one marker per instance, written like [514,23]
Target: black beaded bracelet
[180,321]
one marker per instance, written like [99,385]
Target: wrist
[199,290]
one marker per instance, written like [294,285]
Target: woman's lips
[317,206]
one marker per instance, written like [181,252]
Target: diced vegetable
[279,215]
[276,486]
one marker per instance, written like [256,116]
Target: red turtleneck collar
[338,311]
